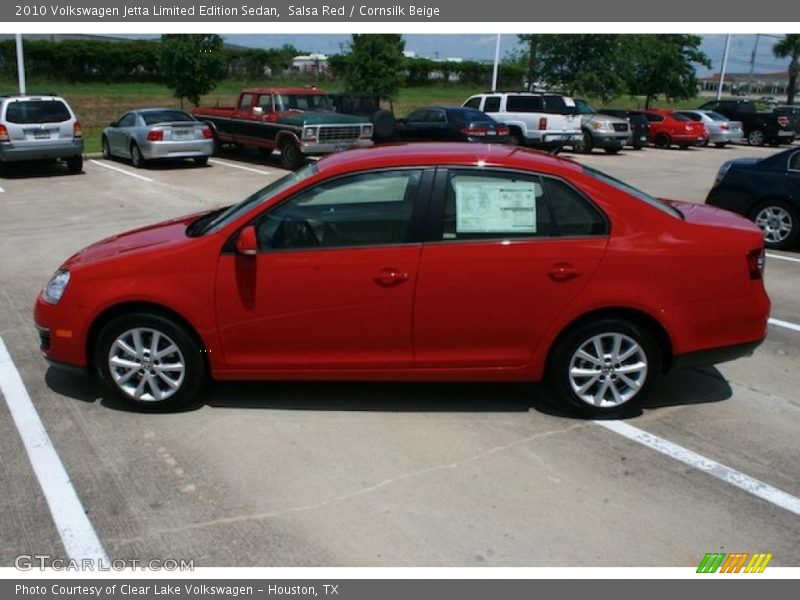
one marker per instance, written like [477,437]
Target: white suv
[536,119]
[39,127]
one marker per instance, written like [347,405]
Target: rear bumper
[713,356]
[187,149]
[10,152]
[725,137]
[691,139]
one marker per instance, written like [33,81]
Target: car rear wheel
[137,159]
[662,141]
[201,161]
[613,150]
[291,157]
[149,362]
[605,368]
[106,148]
[75,164]
[780,223]
[515,138]
[721,144]
[756,138]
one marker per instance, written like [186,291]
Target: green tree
[192,64]
[789,47]
[593,64]
[663,64]
[375,65]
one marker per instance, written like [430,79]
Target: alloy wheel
[608,370]
[775,222]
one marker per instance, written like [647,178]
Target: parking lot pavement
[367,474]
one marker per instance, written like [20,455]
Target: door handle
[563,272]
[390,276]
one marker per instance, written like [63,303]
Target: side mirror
[247,242]
[112,124]
[258,111]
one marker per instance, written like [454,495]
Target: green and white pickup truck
[298,122]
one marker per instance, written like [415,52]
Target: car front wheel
[780,223]
[605,368]
[149,362]
[291,157]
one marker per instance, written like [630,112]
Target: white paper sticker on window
[496,206]
[569,101]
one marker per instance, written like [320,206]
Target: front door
[332,285]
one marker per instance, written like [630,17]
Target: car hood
[167,232]
[299,119]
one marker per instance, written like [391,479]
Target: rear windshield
[37,111]
[632,191]
[153,117]
[469,114]
[715,116]
[680,117]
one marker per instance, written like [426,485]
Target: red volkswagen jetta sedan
[418,262]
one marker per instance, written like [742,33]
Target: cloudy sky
[482,47]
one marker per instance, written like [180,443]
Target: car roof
[283,90]
[431,154]
[157,109]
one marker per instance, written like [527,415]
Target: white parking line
[77,534]
[118,170]
[785,324]
[736,478]
[233,166]
[779,257]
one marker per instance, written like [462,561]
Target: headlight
[723,170]
[309,132]
[366,131]
[602,125]
[55,287]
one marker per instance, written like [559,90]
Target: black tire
[612,150]
[384,125]
[4,168]
[291,157]
[566,349]
[75,163]
[201,161]
[194,374]
[683,146]
[137,160]
[776,204]
[515,138]
[756,138]
[720,144]
[586,144]
[662,141]
[106,148]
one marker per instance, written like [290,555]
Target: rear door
[507,253]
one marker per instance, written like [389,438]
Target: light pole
[752,66]
[20,65]
[724,65]
[496,62]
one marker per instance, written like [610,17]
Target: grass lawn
[98,104]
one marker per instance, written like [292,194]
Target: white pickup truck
[535,119]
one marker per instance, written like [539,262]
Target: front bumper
[62,332]
[609,140]
[177,149]
[10,152]
[329,147]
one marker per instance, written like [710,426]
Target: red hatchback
[668,128]
[418,262]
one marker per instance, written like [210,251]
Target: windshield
[276,187]
[632,191]
[584,107]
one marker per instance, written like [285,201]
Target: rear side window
[524,104]
[794,162]
[165,116]
[492,104]
[572,213]
[247,101]
[37,111]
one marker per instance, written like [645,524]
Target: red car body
[668,128]
[427,310]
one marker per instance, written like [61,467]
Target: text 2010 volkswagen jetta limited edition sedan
[418,262]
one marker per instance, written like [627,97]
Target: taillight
[155,135]
[207,133]
[724,127]
[4,137]
[474,131]
[755,263]
[76,130]
[542,123]
[503,131]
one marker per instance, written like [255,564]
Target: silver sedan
[721,130]
[148,134]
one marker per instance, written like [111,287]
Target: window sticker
[496,206]
[569,101]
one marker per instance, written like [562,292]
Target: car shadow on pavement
[36,169]
[691,386]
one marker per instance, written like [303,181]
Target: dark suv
[34,128]
[760,127]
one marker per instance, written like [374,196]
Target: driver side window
[367,209]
